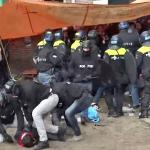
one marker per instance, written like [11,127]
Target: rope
[3,50]
[86,13]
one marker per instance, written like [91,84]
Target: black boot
[144,114]
[83,120]
[112,114]
[42,145]
[119,114]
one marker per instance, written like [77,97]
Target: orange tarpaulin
[19,18]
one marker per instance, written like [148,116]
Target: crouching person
[74,98]
[38,101]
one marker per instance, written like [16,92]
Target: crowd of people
[71,77]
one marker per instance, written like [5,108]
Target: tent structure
[20,18]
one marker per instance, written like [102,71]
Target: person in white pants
[41,110]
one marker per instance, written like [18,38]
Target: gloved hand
[8,138]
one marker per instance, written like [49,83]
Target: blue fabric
[45,78]
[93,115]
[135,94]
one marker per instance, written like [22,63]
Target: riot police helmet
[123,25]
[115,41]
[92,34]
[80,35]
[48,36]
[58,35]
[145,37]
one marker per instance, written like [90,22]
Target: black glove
[8,138]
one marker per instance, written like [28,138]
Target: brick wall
[20,55]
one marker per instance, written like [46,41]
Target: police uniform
[48,62]
[79,37]
[41,44]
[60,46]
[75,45]
[143,61]
[83,66]
[143,57]
[94,41]
[131,39]
[121,60]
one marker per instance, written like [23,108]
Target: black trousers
[118,92]
[145,103]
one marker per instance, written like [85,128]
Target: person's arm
[139,61]
[131,70]
[71,67]
[20,117]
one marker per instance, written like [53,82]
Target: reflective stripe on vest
[120,52]
[144,49]
[75,45]
[57,43]
[42,43]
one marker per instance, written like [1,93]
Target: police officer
[129,36]
[143,61]
[58,41]
[47,40]
[58,36]
[48,61]
[60,46]
[120,59]
[79,37]
[83,64]
[9,107]
[93,37]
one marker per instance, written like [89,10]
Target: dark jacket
[47,58]
[131,39]
[81,66]
[33,93]
[123,65]
[95,48]
[143,58]
[8,109]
